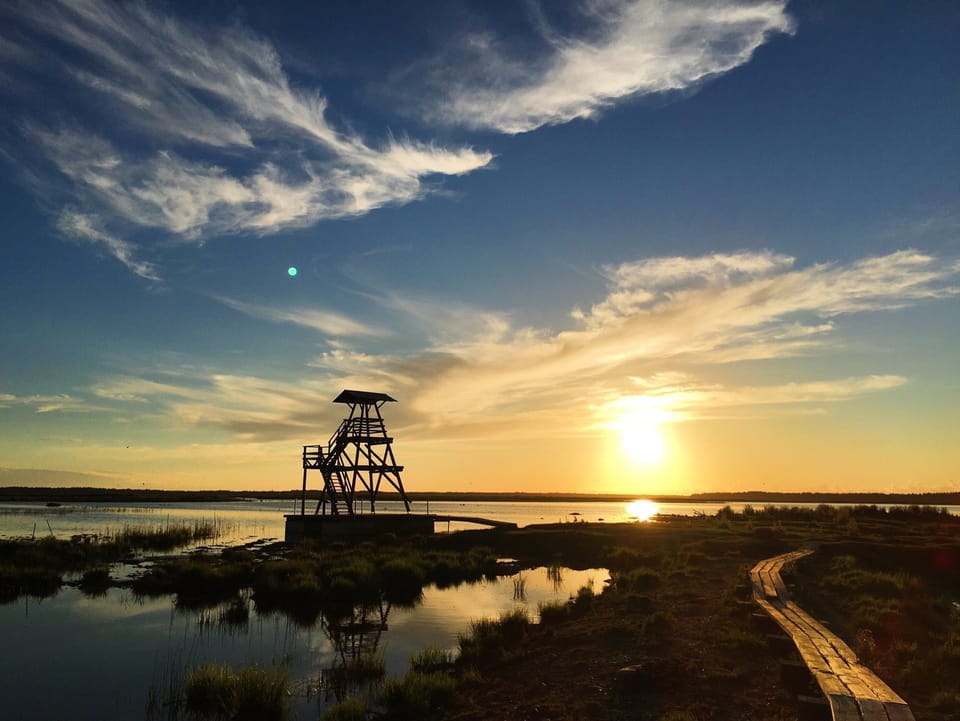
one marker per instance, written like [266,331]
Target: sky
[602,246]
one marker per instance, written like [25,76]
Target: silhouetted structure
[357,458]
[354,464]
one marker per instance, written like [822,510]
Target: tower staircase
[356,459]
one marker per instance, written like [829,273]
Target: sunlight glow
[643,510]
[641,438]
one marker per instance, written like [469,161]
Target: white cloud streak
[637,48]
[45,403]
[87,228]
[324,321]
[211,137]
[480,375]
[662,327]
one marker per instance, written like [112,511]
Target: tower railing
[349,463]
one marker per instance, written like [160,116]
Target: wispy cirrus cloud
[324,321]
[658,314]
[45,403]
[631,48]
[208,134]
[87,228]
[659,333]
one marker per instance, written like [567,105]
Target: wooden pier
[476,520]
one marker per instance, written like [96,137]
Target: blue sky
[736,223]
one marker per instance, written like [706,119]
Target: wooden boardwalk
[852,690]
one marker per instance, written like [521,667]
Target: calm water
[243,521]
[77,657]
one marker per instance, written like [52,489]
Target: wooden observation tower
[356,460]
[354,464]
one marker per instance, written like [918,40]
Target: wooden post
[303,494]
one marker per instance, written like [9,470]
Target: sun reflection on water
[643,510]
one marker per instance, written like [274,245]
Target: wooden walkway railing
[852,690]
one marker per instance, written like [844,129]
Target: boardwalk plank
[853,692]
[872,710]
[898,712]
[844,708]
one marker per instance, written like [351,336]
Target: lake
[244,521]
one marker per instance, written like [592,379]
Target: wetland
[514,624]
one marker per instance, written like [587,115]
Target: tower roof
[362,397]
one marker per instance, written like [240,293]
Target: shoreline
[80,494]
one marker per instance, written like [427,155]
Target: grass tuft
[418,696]
[351,709]
[250,693]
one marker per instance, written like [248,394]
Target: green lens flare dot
[291,271]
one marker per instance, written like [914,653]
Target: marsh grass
[892,603]
[554,612]
[36,567]
[199,581]
[167,536]
[351,709]
[636,580]
[95,581]
[418,697]
[250,693]
[363,669]
[432,659]
[492,639]
[520,588]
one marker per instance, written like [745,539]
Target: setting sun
[641,438]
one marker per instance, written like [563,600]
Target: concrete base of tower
[359,528]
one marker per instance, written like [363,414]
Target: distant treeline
[10,494]
[951,498]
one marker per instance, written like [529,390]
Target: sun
[641,438]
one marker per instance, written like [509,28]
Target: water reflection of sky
[243,521]
[71,656]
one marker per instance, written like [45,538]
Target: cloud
[661,332]
[87,228]
[632,49]
[324,321]
[208,136]
[250,408]
[52,477]
[41,403]
[677,397]
[478,374]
